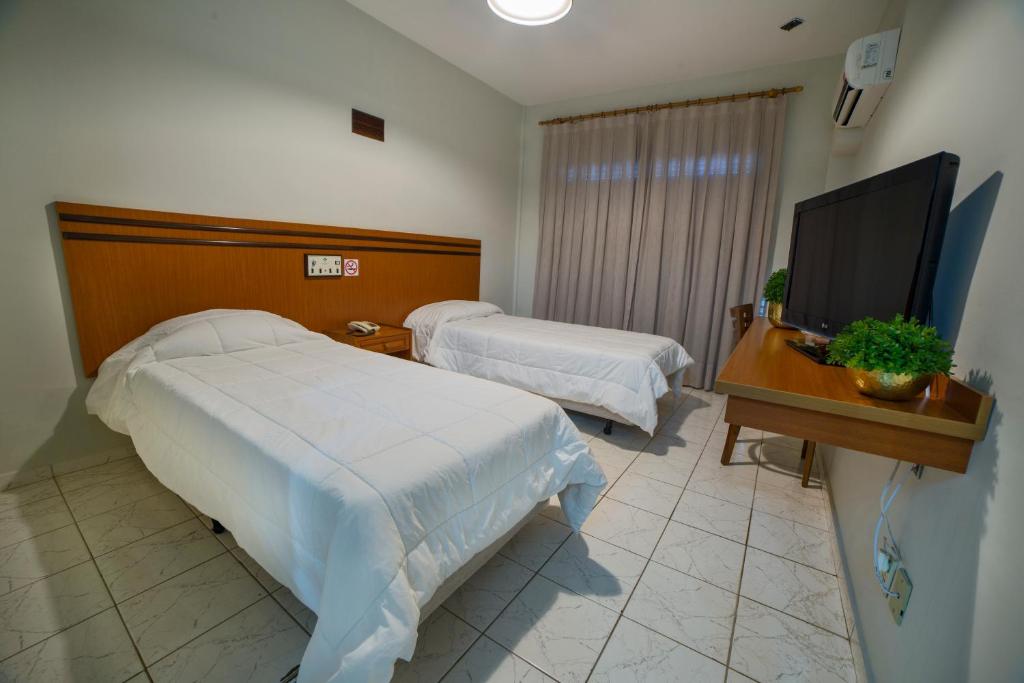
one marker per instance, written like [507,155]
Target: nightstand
[394,341]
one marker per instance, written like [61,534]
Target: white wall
[957,88]
[804,156]
[220,107]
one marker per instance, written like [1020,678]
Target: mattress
[620,371]
[360,481]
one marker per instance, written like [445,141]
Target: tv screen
[870,248]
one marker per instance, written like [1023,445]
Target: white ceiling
[608,45]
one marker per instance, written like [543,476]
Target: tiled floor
[686,571]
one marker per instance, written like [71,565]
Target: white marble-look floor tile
[36,558]
[717,516]
[260,643]
[302,614]
[695,410]
[636,653]
[88,477]
[623,525]
[95,650]
[488,662]
[686,609]
[746,453]
[442,639]
[792,540]
[536,542]
[702,555]
[140,565]
[103,497]
[646,493]
[170,614]
[33,519]
[783,441]
[736,677]
[690,433]
[627,437]
[783,467]
[666,460]
[595,569]
[77,464]
[38,610]
[554,629]
[732,483]
[23,495]
[553,510]
[13,480]
[792,501]
[226,538]
[257,570]
[612,458]
[771,646]
[482,597]
[795,589]
[119,527]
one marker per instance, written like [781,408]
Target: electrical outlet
[902,587]
[323,265]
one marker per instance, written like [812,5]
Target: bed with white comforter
[358,480]
[621,372]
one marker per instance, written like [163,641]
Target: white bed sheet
[623,372]
[358,480]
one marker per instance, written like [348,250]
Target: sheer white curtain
[660,221]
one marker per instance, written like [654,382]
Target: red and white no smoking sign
[351,267]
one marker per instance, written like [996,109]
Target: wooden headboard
[129,269]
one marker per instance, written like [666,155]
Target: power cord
[889,555]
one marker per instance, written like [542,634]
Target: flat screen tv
[870,248]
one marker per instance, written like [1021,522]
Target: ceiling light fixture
[530,12]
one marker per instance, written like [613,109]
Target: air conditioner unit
[869,68]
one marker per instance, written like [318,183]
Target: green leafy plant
[898,346]
[775,287]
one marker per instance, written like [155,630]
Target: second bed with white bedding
[360,481]
[621,372]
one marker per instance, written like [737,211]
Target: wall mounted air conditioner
[868,71]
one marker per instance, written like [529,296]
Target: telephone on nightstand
[362,328]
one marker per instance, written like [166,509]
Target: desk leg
[730,443]
[808,456]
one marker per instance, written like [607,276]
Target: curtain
[660,221]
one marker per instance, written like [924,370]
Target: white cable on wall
[885,502]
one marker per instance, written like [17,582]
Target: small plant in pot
[774,291]
[893,360]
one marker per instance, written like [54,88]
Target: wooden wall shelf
[773,387]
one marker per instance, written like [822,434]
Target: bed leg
[608,426]
[217,527]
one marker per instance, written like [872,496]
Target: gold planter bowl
[889,386]
[775,316]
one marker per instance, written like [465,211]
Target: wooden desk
[389,339]
[775,388]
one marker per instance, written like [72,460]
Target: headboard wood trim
[129,269]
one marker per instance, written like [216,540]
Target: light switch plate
[323,265]
[902,587]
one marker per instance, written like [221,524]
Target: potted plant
[774,291]
[892,360]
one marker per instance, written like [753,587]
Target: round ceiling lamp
[530,12]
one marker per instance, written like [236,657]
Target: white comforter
[360,481]
[622,372]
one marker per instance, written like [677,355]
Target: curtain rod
[774,92]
